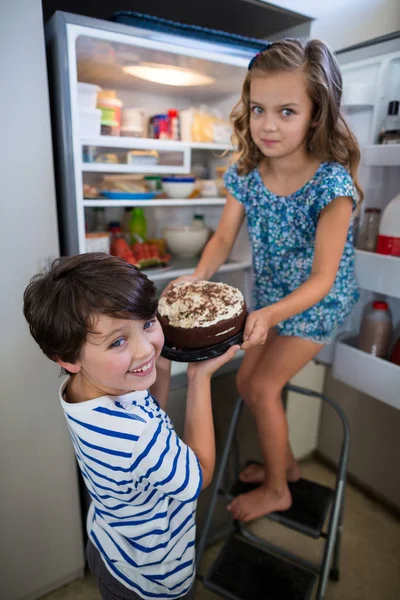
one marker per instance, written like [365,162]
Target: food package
[131,184]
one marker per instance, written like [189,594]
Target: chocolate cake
[199,314]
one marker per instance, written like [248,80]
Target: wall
[40,542]
[343,23]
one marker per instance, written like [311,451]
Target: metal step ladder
[250,568]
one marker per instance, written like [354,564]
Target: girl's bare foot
[254,473]
[258,503]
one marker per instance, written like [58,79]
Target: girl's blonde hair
[330,138]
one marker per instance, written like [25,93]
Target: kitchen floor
[370,551]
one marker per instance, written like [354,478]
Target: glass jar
[368,234]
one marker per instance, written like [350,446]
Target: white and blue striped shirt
[144,482]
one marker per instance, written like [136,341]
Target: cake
[199,314]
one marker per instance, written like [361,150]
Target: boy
[95,316]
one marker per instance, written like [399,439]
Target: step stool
[250,568]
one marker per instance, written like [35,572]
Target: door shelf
[381,155]
[186,266]
[371,375]
[378,273]
[103,202]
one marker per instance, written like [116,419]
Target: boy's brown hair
[61,305]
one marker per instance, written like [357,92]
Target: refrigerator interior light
[168,74]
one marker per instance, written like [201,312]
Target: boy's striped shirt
[144,483]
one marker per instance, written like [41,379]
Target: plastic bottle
[368,234]
[138,226]
[174,124]
[125,223]
[99,219]
[376,330]
[389,229]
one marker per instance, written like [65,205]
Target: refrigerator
[82,49]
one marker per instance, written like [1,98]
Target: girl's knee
[262,389]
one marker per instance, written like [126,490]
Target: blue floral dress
[282,233]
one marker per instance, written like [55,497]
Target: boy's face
[119,356]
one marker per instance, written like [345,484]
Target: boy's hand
[208,367]
[179,280]
[258,323]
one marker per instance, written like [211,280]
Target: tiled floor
[370,551]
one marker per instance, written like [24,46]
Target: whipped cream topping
[200,304]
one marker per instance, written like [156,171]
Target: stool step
[311,502]
[242,571]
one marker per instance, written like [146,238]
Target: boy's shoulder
[139,407]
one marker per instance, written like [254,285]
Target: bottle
[368,234]
[198,222]
[99,219]
[389,229]
[376,330]
[390,132]
[125,223]
[174,124]
[138,226]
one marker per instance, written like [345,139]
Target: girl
[295,180]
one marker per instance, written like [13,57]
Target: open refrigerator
[95,52]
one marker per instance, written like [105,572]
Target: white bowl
[178,189]
[185,241]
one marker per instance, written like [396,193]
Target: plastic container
[376,330]
[89,122]
[154,182]
[390,132]
[98,242]
[132,122]
[87,95]
[389,229]
[368,234]
[111,108]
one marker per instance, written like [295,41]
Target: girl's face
[119,356]
[280,113]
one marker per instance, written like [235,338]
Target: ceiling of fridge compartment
[101,62]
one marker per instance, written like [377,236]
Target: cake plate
[177,355]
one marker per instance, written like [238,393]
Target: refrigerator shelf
[381,155]
[139,168]
[109,141]
[371,375]
[378,273]
[191,202]
[186,266]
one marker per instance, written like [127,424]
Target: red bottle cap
[379,305]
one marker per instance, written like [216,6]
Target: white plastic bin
[89,122]
[374,376]
[87,95]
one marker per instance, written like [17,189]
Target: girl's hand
[258,323]
[179,280]
[208,367]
